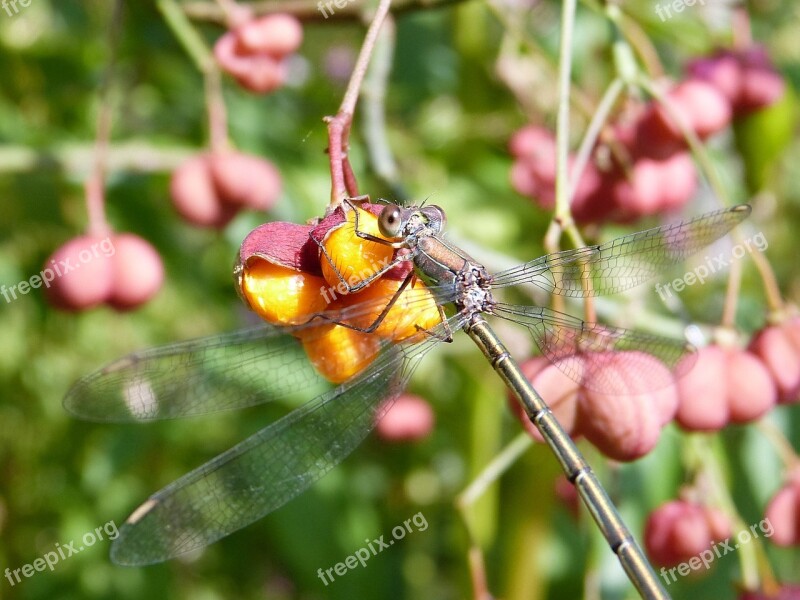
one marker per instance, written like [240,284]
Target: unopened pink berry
[138,272]
[195,196]
[725,385]
[624,422]
[679,530]
[751,391]
[410,418]
[81,273]
[277,34]
[703,392]
[246,180]
[778,346]
[783,513]
[697,104]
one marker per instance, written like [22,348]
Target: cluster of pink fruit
[647,169]
[208,190]
[121,270]
[211,188]
[730,384]
[727,385]
[255,50]
[683,530]
[623,423]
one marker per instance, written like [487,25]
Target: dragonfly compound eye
[390,221]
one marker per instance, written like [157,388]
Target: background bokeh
[450,117]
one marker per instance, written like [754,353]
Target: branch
[306,10]
[343,183]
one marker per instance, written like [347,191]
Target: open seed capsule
[280,295]
[338,352]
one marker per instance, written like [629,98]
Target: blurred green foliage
[449,119]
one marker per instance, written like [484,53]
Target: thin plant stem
[593,132]
[187,35]
[562,212]
[564,189]
[728,319]
[640,41]
[778,440]
[515,29]
[95,182]
[771,288]
[217,113]
[343,183]
[488,476]
[373,98]
[203,59]
[756,571]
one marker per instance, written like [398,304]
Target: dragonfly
[265,364]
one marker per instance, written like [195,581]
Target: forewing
[223,372]
[624,262]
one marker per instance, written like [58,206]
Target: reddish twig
[343,181]
[305,10]
[94,185]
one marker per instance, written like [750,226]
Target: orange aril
[338,352]
[413,311]
[280,295]
[354,258]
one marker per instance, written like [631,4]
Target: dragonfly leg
[352,288]
[446,335]
[379,319]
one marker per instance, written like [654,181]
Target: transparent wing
[605,359]
[223,372]
[624,262]
[268,469]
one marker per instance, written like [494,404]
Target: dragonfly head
[400,222]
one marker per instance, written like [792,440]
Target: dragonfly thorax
[473,286]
